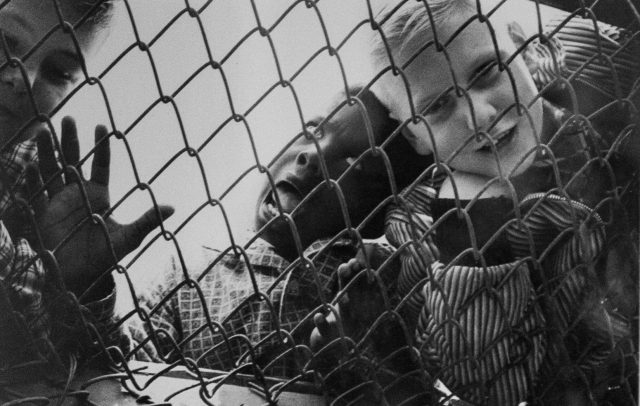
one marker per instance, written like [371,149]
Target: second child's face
[298,173]
[50,72]
[490,95]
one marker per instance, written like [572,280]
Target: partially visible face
[341,140]
[51,71]
[490,94]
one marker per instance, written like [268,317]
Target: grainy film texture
[456,224]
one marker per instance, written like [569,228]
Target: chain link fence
[531,297]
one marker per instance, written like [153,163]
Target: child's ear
[516,33]
[544,61]
[519,38]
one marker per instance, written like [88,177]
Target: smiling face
[50,72]
[490,95]
[341,140]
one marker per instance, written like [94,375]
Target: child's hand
[83,248]
[357,308]
[359,316]
[326,330]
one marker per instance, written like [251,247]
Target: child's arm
[337,334]
[81,259]
[465,317]
[406,224]
[362,317]
[568,286]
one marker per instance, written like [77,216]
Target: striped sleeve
[482,333]
[617,68]
[567,239]
[407,221]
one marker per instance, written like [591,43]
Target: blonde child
[499,267]
[506,299]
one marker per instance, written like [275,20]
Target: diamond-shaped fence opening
[447,206]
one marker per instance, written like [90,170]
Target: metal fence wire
[528,297]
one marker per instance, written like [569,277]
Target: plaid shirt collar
[12,164]
[263,253]
[323,243]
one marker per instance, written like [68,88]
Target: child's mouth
[500,140]
[288,195]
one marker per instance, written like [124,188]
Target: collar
[263,254]
[260,253]
[324,243]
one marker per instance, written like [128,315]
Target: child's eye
[12,43]
[57,74]
[438,105]
[485,73]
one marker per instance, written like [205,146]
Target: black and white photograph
[319,202]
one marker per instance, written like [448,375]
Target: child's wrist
[90,291]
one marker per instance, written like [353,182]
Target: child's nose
[308,162]
[484,113]
[17,77]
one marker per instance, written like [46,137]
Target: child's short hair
[404,30]
[99,13]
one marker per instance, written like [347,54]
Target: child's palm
[70,222]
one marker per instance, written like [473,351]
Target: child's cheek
[46,95]
[535,113]
[524,81]
[529,97]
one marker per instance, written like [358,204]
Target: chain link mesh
[400,337]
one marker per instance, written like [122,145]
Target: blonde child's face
[490,95]
[50,72]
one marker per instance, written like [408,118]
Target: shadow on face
[332,176]
[47,61]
